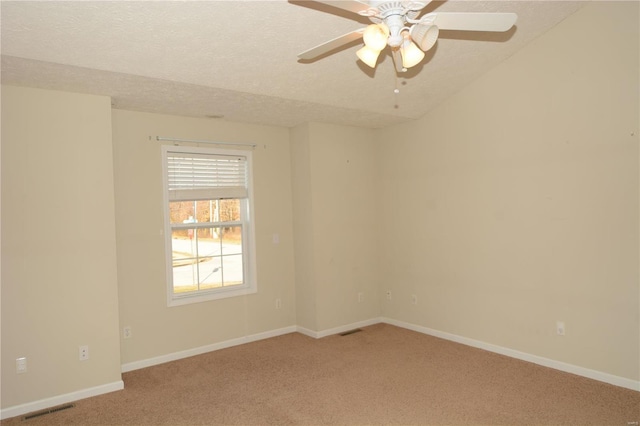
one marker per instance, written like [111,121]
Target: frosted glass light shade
[368,56]
[375,36]
[425,36]
[411,55]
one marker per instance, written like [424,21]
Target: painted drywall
[335,199]
[158,330]
[514,204]
[59,288]
[306,310]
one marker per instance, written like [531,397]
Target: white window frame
[249,285]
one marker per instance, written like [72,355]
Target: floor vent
[47,411]
[346,333]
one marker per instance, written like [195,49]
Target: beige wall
[515,203]
[157,329]
[59,288]
[336,201]
[305,277]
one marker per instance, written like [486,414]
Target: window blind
[204,176]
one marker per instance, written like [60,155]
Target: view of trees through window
[211,211]
[209,255]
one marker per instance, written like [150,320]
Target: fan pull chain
[396,92]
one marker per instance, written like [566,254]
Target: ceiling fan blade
[354,6]
[327,47]
[472,21]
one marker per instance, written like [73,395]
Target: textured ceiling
[238,59]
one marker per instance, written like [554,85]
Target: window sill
[178,300]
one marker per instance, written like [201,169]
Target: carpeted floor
[381,375]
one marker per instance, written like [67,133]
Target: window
[209,235]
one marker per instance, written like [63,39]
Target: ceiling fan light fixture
[411,55]
[375,36]
[395,24]
[424,35]
[368,55]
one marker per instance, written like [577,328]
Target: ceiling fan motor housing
[394,15]
[409,8]
[395,23]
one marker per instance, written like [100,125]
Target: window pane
[210,272]
[182,211]
[231,240]
[182,246]
[232,269]
[208,242]
[204,211]
[206,258]
[184,255]
[229,210]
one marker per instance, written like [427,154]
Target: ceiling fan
[396,24]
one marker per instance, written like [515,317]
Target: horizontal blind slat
[201,176]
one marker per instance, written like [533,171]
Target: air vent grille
[47,411]
[346,333]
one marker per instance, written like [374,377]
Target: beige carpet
[381,375]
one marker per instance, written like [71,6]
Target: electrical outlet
[21,365]
[83,353]
[127,333]
[278,303]
[560,328]
[360,297]
[414,299]
[388,294]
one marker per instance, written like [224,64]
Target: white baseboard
[546,362]
[307,332]
[204,349]
[136,365]
[119,385]
[336,330]
[42,404]
[535,359]
[98,390]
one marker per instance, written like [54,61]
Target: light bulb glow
[411,55]
[375,36]
[368,56]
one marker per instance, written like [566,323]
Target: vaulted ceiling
[238,59]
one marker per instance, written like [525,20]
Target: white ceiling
[238,59]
